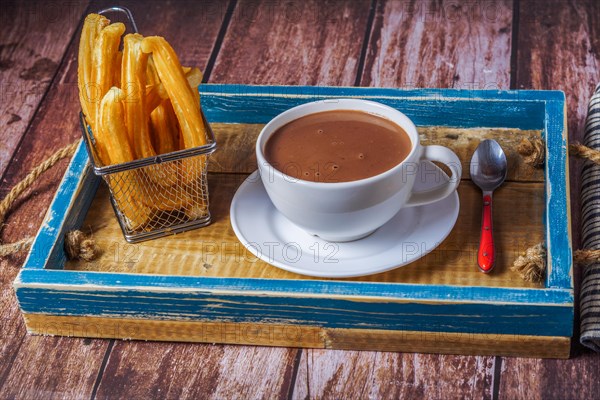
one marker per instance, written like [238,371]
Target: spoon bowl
[488,165]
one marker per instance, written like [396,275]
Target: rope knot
[79,246]
[533,151]
[532,264]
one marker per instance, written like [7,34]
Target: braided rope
[581,151]
[20,187]
[15,247]
[532,264]
[78,244]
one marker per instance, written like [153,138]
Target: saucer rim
[327,274]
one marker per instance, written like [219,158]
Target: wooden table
[480,45]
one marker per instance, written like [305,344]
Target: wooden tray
[204,286]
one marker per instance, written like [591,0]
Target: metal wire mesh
[157,196]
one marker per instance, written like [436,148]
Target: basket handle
[122,10]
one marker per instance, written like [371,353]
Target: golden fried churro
[92,25]
[124,185]
[133,82]
[155,92]
[104,61]
[185,104]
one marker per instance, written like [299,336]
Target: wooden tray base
[300,336]
[215,251]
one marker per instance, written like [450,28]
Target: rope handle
[531,265]
[20,187]
[77,244]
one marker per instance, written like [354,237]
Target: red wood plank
[138,370]
[54,367]
[450,44]
[334,374]
[295,43]
[559,48]
[40,363]
[33,38]
[420,44]
[551,379]
[12,327]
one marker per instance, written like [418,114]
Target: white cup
[345,211]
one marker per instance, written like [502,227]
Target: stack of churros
[139,102]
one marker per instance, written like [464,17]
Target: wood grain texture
[463,45]
[266,334]
[54,367]
[448,343]
[570,61]
[30,54]
[334,374]
[191,27]
[293,42]
[12,328]
[55,125]
[138,370]
[41,21]
[551,379]
[215,250]
[177,331]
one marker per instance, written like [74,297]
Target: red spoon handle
[486,256]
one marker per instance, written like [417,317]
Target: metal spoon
[488,171]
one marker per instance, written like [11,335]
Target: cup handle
[445,156]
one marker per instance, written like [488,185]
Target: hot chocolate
[337,146]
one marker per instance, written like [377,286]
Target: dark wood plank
[33,38]
[54,367]
[559,48]
[55,125]
[190,26]
[12,327]
[138,370]
[420,44]
[334,374]
[295,43]
[464,45]
[526,378]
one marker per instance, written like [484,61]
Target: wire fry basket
[157,196]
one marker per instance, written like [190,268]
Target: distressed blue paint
[432,93]
[67,211]
[426,107]
[326,312]
[557,193]
[82,280]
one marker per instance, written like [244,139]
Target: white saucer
[410,235]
